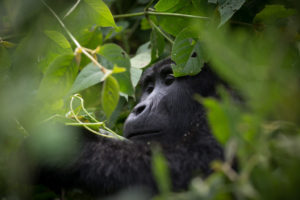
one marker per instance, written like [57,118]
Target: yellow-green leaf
[59,39]
[110,95]
[105,17]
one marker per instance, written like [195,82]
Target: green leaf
[58,78]
[157,43]
[110,32]
[7,44]
[117,56]
[273,13]
[142,57]
[174,25]
[5,61]
[161,171]
[103,17]
[110,95]
[227,8]
[59,39]
[135,75]
[145,24]
[218,119]
[166,5]
[212,1]
[117,69]
[57,45]
[89,76]
[87,15]
[187,54]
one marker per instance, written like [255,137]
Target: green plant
[50,55]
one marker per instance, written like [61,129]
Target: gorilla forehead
[156,68]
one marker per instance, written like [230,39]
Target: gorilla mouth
[146,133]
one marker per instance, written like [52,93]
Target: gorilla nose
[139,109]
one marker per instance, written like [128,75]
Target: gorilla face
[166,106]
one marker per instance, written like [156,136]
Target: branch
[160,31]
[146,12]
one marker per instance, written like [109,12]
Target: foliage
[91,47]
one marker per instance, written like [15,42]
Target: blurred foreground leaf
[273,13]
[58,38]
[218,119]
[161,172]
[58,79]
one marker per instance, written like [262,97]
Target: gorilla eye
[169,79]
[167,75]
[149,88]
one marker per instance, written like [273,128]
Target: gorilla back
[167,115]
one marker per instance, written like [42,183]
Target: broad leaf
[187,54]
[161,171]
[174,25]
[110,95]
[59,39]
[218,119]
[145,24]
[135,75]
[104,17]
[227,8]
[142,57]
[58,78]
[89,76]
[5,61]
[167,5]
[57,45]
[117,56]
[274,13]
[158,44]
[88,14]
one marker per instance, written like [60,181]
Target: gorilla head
[167,109]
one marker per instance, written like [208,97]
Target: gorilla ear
[209,84]
[206,82]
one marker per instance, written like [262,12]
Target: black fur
[168,115]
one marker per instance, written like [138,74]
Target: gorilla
[167,115]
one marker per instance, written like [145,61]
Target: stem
[86,123]
[83,124]
[148,5]
[21,128]
[103,69]
[109,130]
[114,135]
[150,12]
[229,172]
[161,32]
[176,15]
[83,108]
[146,12]
[72,9]
[129,15]
[52,117]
